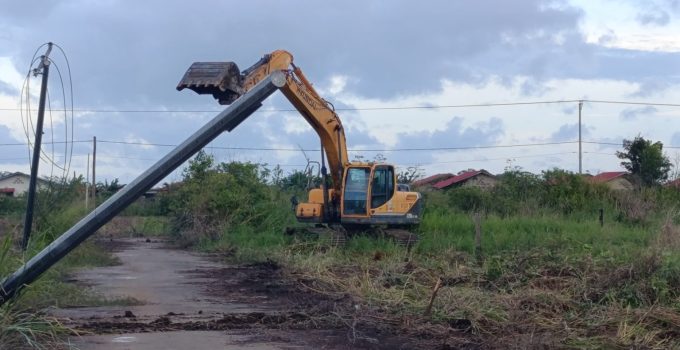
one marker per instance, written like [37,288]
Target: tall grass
[24,321]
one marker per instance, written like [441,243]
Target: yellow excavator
[359,196]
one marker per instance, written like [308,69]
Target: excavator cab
[371,196]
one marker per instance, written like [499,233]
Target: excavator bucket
[220,79]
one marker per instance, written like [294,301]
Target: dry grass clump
[30,330]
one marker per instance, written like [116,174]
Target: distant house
[16,184]
[472,178]
[673,184]
[616,180]
[431,180]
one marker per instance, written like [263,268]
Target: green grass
[442,231]
[24,322]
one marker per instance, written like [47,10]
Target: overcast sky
[129,55]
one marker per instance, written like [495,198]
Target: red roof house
[616,180]
[477,178]
[431,180]
[673,184]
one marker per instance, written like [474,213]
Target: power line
[499,104]
[490,159]
[601,153]
[351,150]
[621,144]
[659,104]
[45,143]
[471,105]
[453,148]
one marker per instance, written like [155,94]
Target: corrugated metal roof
[459,178]
[607,176]
[431,179]
[18,173]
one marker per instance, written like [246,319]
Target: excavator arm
[226,83]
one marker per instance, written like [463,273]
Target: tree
[199,166]
[645,160]
[409,175]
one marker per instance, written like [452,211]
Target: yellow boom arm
[316,111]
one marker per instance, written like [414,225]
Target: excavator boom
[226,83]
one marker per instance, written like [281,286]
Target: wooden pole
[437,286]
[477,219]
[87,183]
[94,166]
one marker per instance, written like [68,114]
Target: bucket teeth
[220,79]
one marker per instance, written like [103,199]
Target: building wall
[481,181]
[620,183]
[19,183]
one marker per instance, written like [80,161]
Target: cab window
[356,191]
[382,186]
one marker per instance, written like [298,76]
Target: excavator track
[402,237]
[333,236]
[337,236]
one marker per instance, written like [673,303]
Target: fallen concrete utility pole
[226,120]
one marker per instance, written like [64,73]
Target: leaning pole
[227,120]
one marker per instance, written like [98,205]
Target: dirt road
[191,301]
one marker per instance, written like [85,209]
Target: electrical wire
[472,105]
[30,129]
[350,150]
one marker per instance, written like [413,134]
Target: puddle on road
[124,339]
[127,278]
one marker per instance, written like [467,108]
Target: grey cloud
[651,87]
[453,134]
[569,110]
[7,89]
[629,114]
[675,140]
[657,17]
[5,135]
[569,132]
[607,38]
[532,87]
[392,48]
[123,57]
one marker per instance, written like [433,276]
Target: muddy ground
[174,299]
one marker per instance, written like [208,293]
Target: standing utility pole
[87,183]
[94,162]
[44,69]
[580,153]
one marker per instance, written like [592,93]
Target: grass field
[547,273]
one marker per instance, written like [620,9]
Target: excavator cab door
[356,192]
[382,185]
